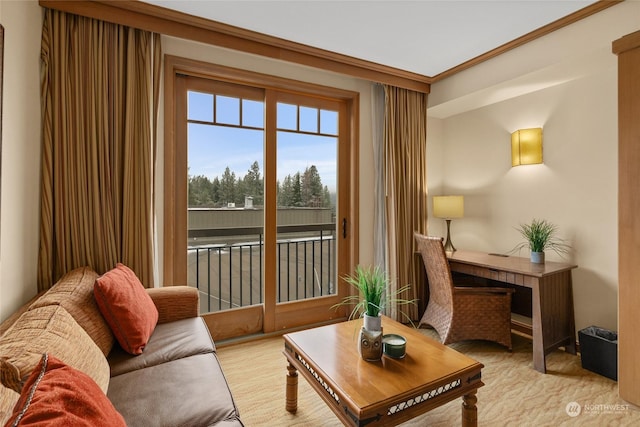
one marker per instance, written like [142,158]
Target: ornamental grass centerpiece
[373,298]
[540,235]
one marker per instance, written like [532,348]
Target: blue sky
[213,148]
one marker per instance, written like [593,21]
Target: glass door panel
[307,141]
[225,139]
[259,215]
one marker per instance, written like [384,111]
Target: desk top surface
[511,264]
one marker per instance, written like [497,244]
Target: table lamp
[448,207]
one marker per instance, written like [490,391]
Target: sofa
[64,336]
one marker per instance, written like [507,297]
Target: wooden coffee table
[387,392]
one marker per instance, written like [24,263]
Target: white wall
[20,173]
[569,89]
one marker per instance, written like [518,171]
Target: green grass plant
[541,235]
[374,295]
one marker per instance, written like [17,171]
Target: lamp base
[448,246]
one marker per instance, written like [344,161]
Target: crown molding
[542,31]
[161,20]
[625,43]
[154,18]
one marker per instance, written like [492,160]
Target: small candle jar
[394,345]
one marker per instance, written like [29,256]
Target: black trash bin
[599,351]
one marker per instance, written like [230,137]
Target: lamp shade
[526,147]
[448,206]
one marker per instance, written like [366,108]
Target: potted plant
[539,236]
[374,295]
[373,298]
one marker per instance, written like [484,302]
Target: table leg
[292,389]
[571,347]
[539,361]
[553,319]
[469,409]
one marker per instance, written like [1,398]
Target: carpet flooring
[514,393]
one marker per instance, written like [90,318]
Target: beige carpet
[514,394]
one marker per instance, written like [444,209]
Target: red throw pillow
[127,308]
[57,394]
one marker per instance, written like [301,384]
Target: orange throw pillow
[57,394]
[127,308]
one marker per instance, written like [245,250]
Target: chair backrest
[438,271]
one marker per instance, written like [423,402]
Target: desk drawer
[473,270]
[489,273]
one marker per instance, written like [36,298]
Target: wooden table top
[333,352]
[512,264]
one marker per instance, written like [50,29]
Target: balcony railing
[226,264]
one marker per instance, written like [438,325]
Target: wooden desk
[553,323]
[383,393]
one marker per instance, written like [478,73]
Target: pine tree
[296,196]
[285,195]
[253,184]
[215,191]
[239,191]
[312,191]
[200,193]
[227,187]
[297,190]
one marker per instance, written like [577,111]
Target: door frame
[174,267]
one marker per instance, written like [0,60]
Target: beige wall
[20,171]
[566,83]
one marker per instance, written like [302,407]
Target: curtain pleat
[157,78]
[405,175]
[98,122]
[45,255]
[379,213]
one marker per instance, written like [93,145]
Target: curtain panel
[99,86]
[405,183]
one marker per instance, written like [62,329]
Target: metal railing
[226,264]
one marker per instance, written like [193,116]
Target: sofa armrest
[9,321]
[175,302]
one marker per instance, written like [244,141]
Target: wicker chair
[462,313]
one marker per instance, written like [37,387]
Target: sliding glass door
[265,217]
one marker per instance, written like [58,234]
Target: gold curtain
[405,170]
[99,101]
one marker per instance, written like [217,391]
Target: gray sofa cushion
[190,391]
[169,341]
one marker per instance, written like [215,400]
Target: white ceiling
[423,36]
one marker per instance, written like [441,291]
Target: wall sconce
[448,207]
[526,147]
